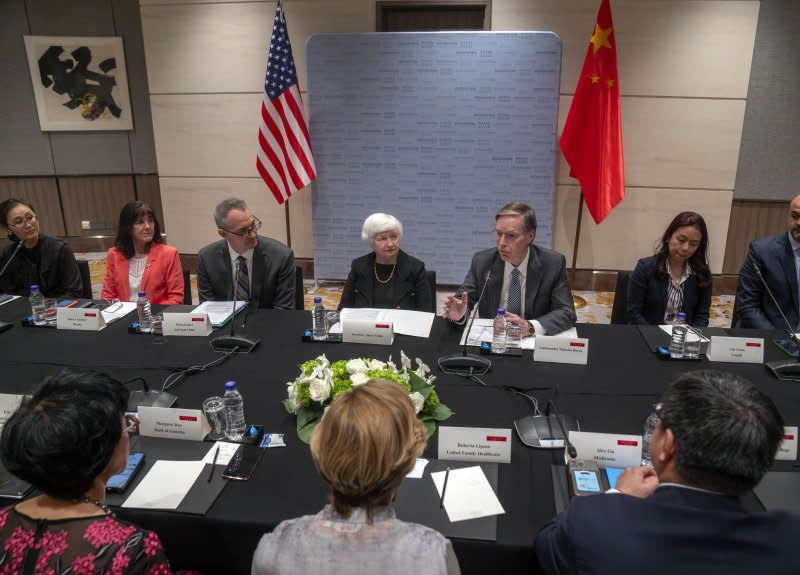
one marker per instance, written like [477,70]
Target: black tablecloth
[610,394]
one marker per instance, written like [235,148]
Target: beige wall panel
[202,48]
[189,206]
[300,222]
[665,47]
[631,231]
[212,135]
[675,142]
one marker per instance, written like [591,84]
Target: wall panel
[43,194]
[751,220]
[97,199]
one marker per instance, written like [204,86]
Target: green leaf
[308,414]
[430,428]
[417,383]
[441,412]
[287,405]
[304,433]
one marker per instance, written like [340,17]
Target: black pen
[444,487]
[213,465]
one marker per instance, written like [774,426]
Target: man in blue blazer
[777,259]
[717,436]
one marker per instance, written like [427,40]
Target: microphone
[551,409]
[13,255]
[468,364]
[233,342]
[148,397]
[786,368]
[537,430]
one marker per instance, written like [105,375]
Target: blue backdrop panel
[439,129]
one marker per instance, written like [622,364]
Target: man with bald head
[778,260]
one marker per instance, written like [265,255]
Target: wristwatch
[532,329]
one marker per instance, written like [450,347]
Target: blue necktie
[242,280]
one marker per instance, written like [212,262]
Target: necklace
[391,274]
[104,506]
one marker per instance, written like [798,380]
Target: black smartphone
[788,347]
[244,462]
[119,482]
[585,478]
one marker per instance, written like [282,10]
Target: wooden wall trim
[751,219]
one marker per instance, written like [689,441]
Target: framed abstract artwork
[79,83]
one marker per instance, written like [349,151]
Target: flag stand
[577,300]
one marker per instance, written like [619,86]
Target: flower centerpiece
[320,381]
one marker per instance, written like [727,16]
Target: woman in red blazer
[141,261]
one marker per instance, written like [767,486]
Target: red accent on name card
[501,438]
[577,344]
[382,325]
[187,418]
[198,319]
[630,442]
[753,344]
[90,314]
[788,437]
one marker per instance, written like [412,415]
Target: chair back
[619,312]
[298,288]
[86,279]
[187,287]
[430,275]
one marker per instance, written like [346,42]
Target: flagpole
[575,242]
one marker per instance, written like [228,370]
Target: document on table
[219,312]
[690,335]
[419,468]
[5,298]
[165,485]
[226,451]
[404,321]
[118,310]
[469,494]
[483,330]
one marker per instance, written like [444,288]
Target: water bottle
[319,328]
[499,333]
[235,425]
[37,305]
[513,335]
[145,315]
[678,343]
[647,436]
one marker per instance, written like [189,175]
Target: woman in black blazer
[677,278]
[387,277]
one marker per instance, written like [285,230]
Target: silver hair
[377,223]
[224,207]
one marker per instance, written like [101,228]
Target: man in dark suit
[528,280]
[260,269]
[778,258]
[717,436]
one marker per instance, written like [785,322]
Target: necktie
[242,280]
[514,294]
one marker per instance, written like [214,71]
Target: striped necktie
[514,294]
[242,280]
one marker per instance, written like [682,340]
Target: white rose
[405,360]
[422,368]
[320,390]
[417,400]
[356,366]
[376,364]
[359,379]
[291,391]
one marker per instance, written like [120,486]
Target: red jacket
[162,279]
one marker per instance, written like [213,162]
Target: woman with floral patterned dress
[67,440]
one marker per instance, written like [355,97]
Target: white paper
[468,494]
[404,321]
[690,335]
[419,468]
[226,451]
[118,310]
[483,330]
[165,485]
[10,299]
[219,312]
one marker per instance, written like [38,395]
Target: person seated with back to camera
[365,444]
[387,277]
[676,279]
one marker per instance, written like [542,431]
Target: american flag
[284,148]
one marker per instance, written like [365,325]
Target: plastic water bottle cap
[253,431]
[230,385]
[317,299]
[34,287]
[681,315]
[501,311]
[142,293]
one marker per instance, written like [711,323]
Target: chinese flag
[592,137]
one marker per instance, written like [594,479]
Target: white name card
[173,423]
[190,324]
[475,444]
[8,404]
[556,349]
[736,349]
[367,331]
[80,319]
[787,450]
[608,449]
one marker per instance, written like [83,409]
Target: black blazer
[58,271]
[412,290]
[647,297]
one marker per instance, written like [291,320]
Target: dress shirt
[796,250]
[523,268]
[135,273]
[248,255]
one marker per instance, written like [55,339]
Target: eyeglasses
[254,227]
[29,218]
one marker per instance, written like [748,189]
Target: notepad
[469,494]
[165,485]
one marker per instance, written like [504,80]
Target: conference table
[613,394]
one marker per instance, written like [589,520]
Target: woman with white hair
[387,277]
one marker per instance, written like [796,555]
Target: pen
[213,465]
[444,487]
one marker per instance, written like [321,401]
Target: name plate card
[190,324]
[608,449]
[555,349]
[787,450]
[188,424]
[736,349]
[81,319]
[475,444]
[367,331]
[9,403]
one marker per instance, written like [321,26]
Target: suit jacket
[675,530]
[411,288]
[57,272]
[753,306]
[647,296]
[548,298]
[271,279]
[162,279]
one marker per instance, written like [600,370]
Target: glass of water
[691,347]
[214,410]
